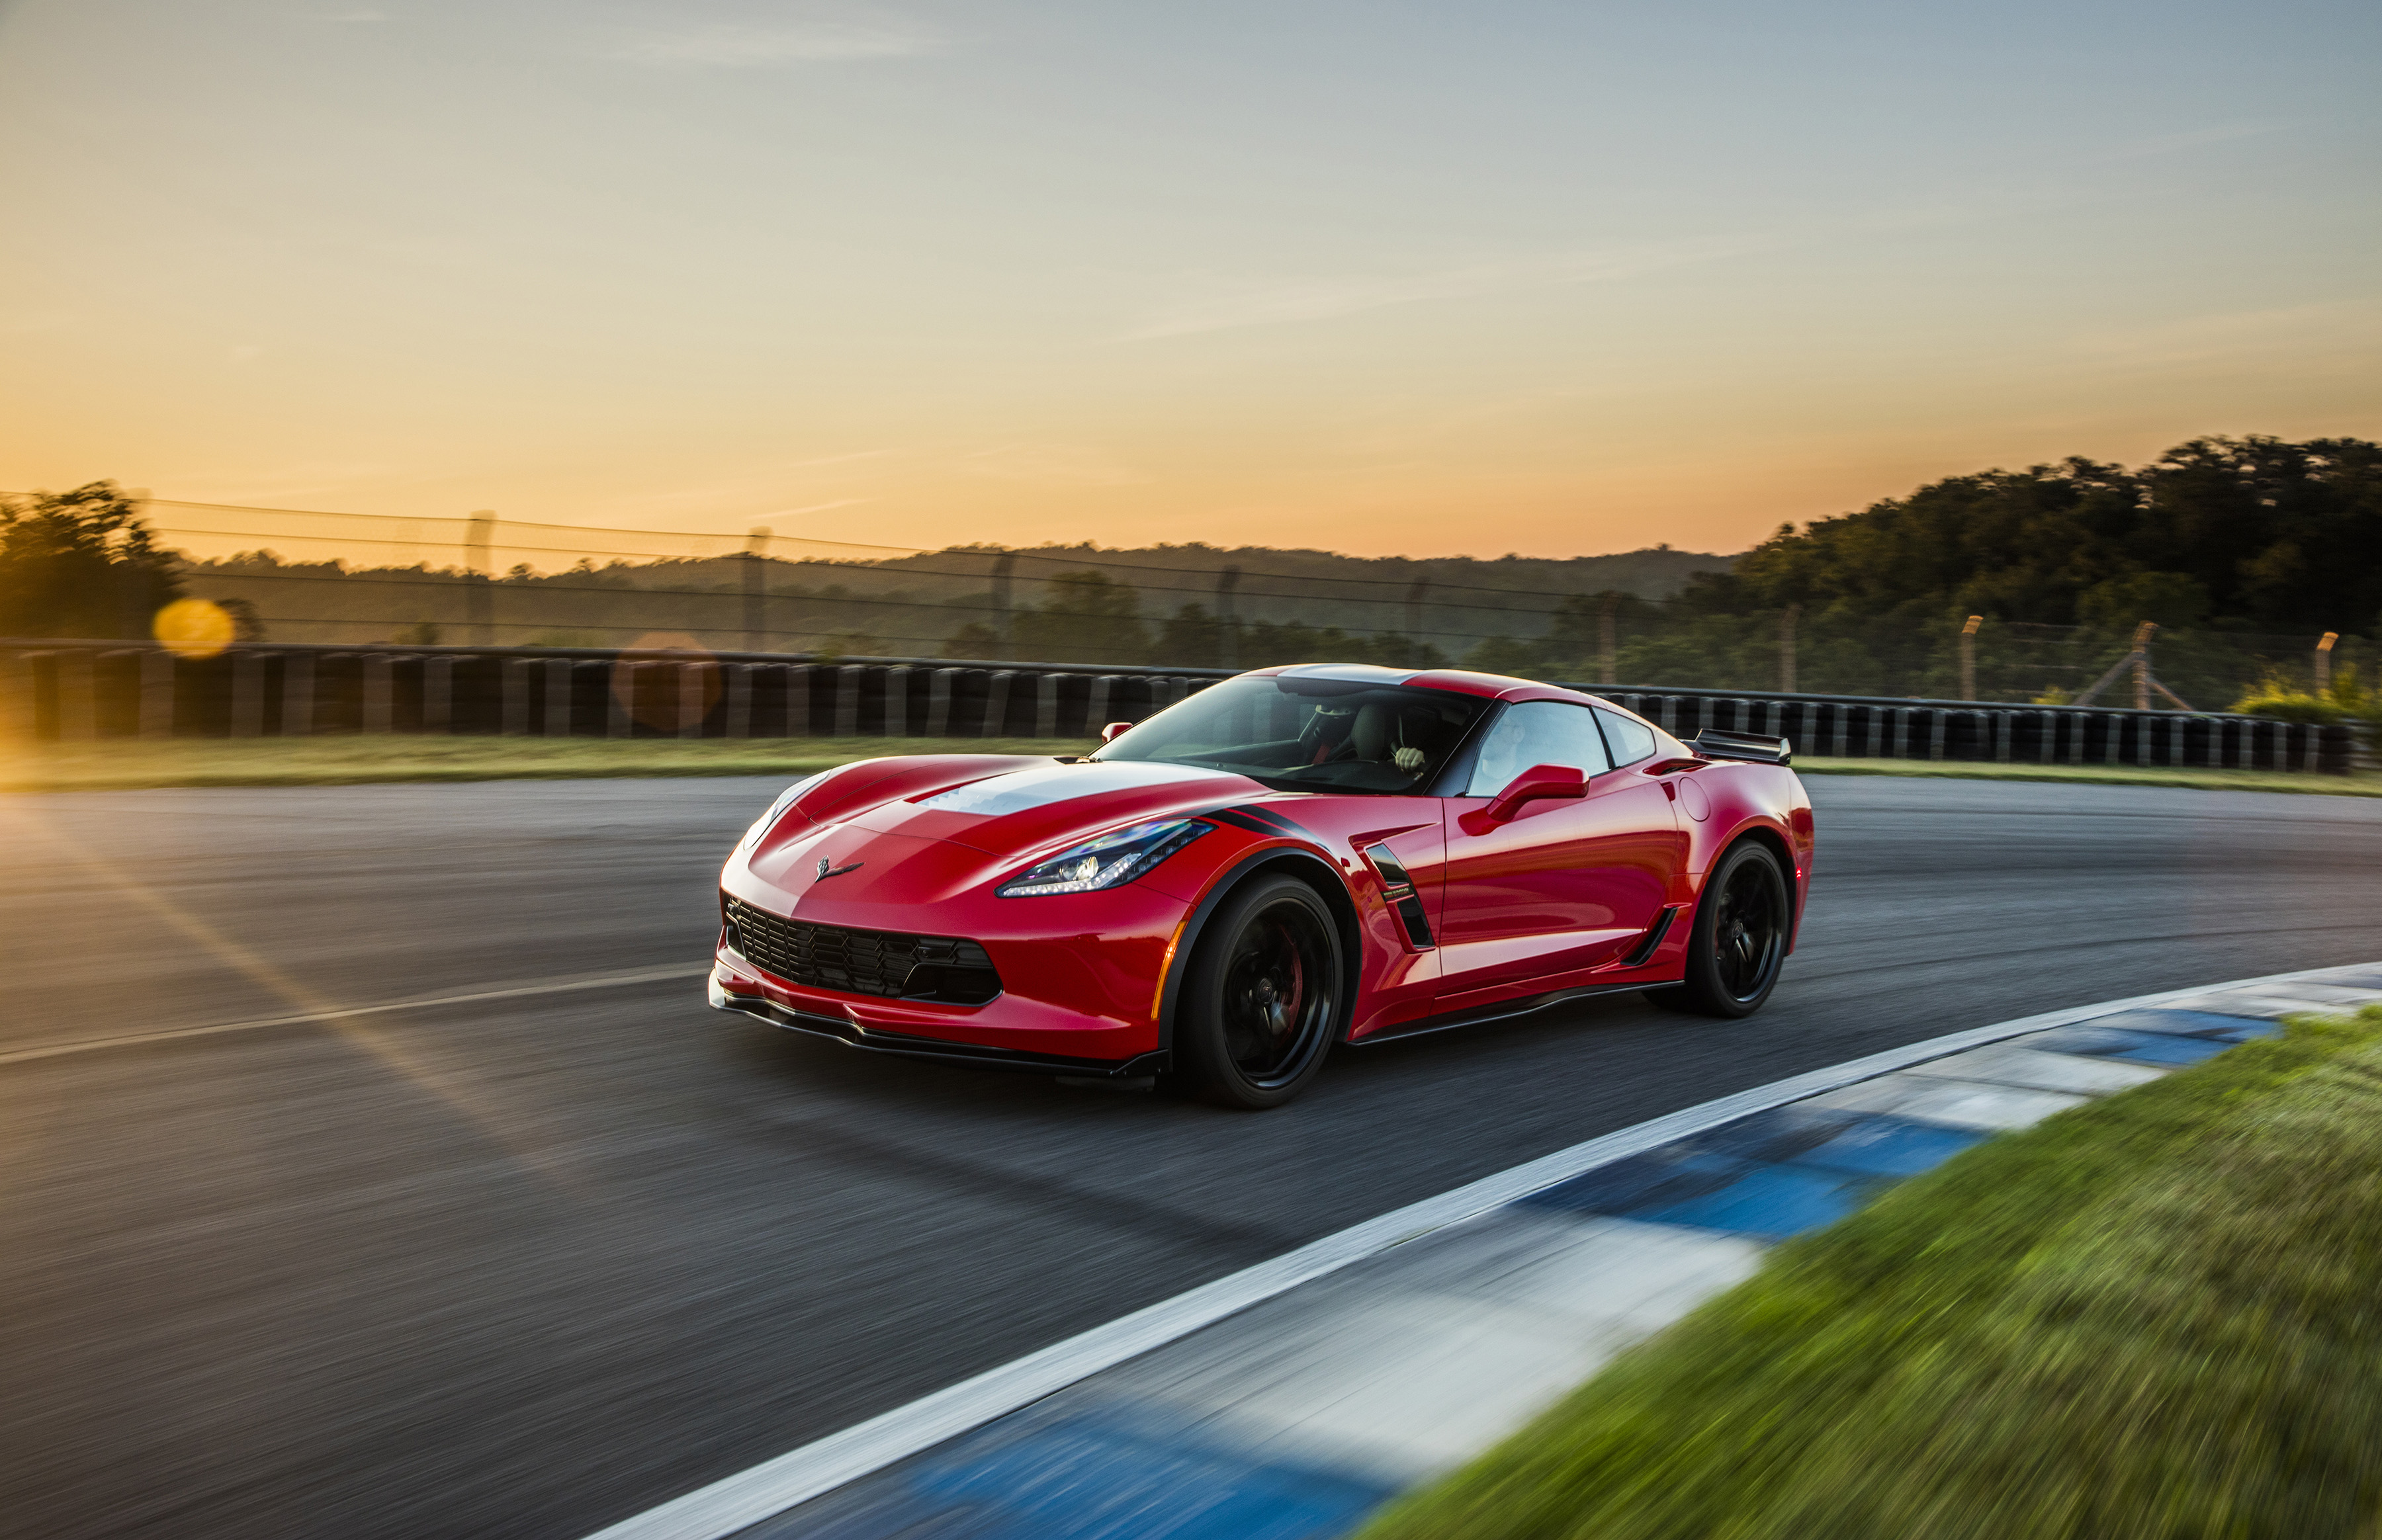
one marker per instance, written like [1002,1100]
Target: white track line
[749,1497]
[550,986]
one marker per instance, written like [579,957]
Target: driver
[1332,727]
[1380,735]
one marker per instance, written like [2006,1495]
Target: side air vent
[1654,933]
[1398,888]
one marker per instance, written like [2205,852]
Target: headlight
[769,820]
[1107,860]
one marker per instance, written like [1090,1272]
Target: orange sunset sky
[1390,278]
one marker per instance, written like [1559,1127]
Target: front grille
[946,969]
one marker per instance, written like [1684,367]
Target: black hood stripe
[1258,820]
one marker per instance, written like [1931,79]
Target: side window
[1631,740]
[1535,732]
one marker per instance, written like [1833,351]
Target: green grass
[2160,1315]
[112,765]
[2363,783]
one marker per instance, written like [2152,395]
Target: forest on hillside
[2242,553]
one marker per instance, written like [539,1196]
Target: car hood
[940,840]
[1041,807]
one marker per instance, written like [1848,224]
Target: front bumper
[748,999]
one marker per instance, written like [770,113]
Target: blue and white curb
[1291,1400]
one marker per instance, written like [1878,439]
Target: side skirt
[1501,1010]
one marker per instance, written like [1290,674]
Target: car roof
[1456,681]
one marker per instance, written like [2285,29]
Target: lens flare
[195,627]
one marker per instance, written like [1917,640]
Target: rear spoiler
[1712,744]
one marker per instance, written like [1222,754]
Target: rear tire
[1739,939]
[1261,1002]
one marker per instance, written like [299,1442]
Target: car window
[1630,741]
[1535,732]
[1303,733]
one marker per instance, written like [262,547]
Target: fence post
[1969,657]
[2324,662]
[157,692]
[996,703]
[757,598]
[897,701]
[479,533]
[1003,565]
[1228,618]
[247,694]
[1417,592]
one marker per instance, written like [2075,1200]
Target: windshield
[1304,734]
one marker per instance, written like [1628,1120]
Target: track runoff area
[1293,1397]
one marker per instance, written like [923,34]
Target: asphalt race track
[527,1265]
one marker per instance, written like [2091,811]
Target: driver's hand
[1408,760]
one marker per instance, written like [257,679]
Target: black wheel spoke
[1748,937]
[1275,1006]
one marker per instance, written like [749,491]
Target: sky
[1382,277]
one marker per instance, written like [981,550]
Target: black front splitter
[853,1036]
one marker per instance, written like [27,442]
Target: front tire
[1262,999]
[1739,941]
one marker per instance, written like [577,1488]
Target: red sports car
[1290,859]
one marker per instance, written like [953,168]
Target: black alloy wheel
[1739,939]
[1262,999]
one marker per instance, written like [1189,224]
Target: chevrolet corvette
[1290,860]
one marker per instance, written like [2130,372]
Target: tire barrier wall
[74,692]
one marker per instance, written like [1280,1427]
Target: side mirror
[1110,733]
[1538,783]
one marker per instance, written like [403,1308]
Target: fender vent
[1397,888]
[888,964]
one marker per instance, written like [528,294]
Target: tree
[1088,618]
[2256,532]
[81,564]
